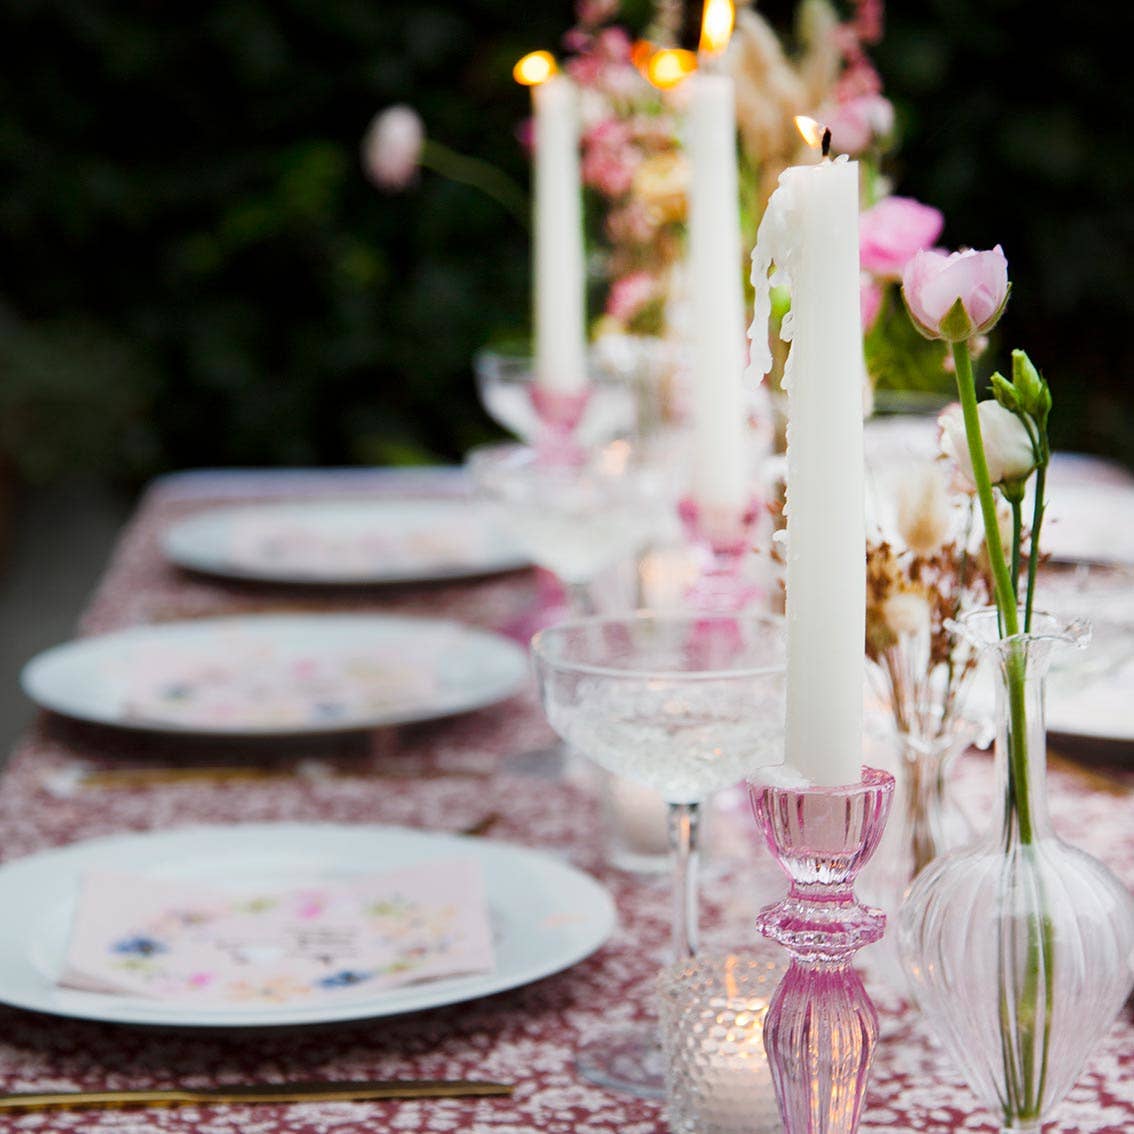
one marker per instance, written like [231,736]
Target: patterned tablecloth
[443,776]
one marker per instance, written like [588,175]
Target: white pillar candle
[810,232]
[557,276]
[719,472]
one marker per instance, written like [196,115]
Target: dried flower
[907,612]
[924,512]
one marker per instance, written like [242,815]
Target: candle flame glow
[716,26]
[811,130]
[536,67]
[670,67]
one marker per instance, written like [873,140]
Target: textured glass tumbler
[821,1028]
[711,1010]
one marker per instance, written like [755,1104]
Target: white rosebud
[391,148]
[906,612]
[924,516]
[1007,446]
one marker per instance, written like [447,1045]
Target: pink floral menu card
[137,935]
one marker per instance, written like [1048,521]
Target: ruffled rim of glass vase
[981,627]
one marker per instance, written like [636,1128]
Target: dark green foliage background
[194,271]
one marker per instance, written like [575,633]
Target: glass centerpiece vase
[687,705]
[1019,947]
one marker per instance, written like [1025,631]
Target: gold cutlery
[218,774]
[258,1093]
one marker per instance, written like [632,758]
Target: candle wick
[826,146]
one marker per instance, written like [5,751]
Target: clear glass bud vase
[1019,947]
[927,821]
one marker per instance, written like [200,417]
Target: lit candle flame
[670,67]
[536,67]
[815,134]
[716,26]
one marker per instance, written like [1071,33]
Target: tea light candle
[810,232]
[559,312]
[718,1078]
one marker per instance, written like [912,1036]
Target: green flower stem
[1005,590]
[1017,539]
[1018,1019]
[1033,554]
[479,175]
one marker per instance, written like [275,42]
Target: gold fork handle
[257,1093]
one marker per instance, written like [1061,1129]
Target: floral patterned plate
[277,675]
[545,915]
[343,542]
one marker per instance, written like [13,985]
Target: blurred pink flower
[593,12]
[391,147]
[954,297]
[892,231]
[869,299]
[610,158]
[858,121]
[632,223]
[629,295]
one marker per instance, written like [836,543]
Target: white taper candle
[810,232]
[558,280]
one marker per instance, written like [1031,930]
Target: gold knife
[258,1093]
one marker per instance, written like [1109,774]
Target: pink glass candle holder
[723,536]
[821,1028]
[559,414]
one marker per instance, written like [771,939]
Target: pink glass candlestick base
[723,536]
[821,1027]
[559,415]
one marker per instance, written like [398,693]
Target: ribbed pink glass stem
[723,537]
[559,416]
[821,1027]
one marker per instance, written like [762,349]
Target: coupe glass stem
[684,821]
[580,601]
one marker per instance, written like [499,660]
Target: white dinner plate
[545,914]
[346,541]
[277,675]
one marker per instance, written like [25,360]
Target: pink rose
[954,297]
[856,123]
[391,148]
[1008,449]
[892,231]
[869,300]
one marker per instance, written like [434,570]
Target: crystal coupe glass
[685,704]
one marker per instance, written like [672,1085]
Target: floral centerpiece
[1018,946]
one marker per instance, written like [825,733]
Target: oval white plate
[340,542]
[277,675]
[545,914]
